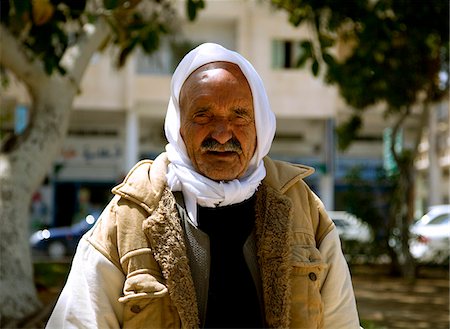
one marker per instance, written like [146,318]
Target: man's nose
[221,131]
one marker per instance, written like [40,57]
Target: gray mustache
[232,145]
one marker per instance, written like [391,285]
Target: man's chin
[222,156]
[222,167]
[222,173]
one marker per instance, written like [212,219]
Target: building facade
[118,117]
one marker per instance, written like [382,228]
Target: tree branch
[394,133]
[13,56]
[76,59]
[422,123]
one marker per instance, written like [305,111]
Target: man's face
[217,121]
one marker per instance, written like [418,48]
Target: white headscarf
[181,175]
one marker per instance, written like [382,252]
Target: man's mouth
[221,153]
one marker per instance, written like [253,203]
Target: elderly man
[213,233]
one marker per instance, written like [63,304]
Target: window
[441,219]
[173,48]
[165,59]
[285,54]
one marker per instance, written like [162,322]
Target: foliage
[366,324]
[370,200]
[394,53]
[361,197]
[47,28]
[377,51]
[50,275]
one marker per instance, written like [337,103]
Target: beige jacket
[140,243]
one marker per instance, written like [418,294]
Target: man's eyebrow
[241,111]
[202,109]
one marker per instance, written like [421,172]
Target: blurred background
[355,97]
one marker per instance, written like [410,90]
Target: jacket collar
[273,241]
[281,175]
[165,234]
[145,186]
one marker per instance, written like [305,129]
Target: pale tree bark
[26,160]
[21,171]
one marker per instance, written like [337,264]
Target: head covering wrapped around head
[181,175]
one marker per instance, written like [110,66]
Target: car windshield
[442,219]
[340,223]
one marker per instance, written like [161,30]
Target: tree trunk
[18,294]
[27,158]
[407,215]
[22,170]
[404,201]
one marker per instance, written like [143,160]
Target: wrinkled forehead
[208,70]
[190,67]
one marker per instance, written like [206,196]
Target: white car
[350,227]
[430,236]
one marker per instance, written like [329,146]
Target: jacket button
[135,308]
[312,276]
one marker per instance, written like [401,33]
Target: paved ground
[383,302]
[393,303]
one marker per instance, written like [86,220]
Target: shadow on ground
[384,302]
[393,303]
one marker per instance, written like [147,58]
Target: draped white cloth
[181,175]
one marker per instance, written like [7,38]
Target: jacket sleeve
[90,296]
[337,291]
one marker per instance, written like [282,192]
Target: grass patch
[50,274]
[366,324]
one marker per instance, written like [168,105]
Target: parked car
[58,242]
[430,236]
[350,227]
[355,235]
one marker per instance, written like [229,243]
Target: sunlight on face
[217,121]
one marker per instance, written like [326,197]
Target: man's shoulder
[144,183]
[282,175]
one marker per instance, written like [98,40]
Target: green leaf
[325,41]
[315,68]
[298,14]
[50,63]
[295,20]
[307,47]
[4,78]
[21,7]
[302,59]
[110,4]
[348,131]
[76,7]
[127,51]
[328,59]
[151,42]
[4,10]
[192,7]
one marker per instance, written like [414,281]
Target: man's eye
[201,118]
[241,117]
[241,120]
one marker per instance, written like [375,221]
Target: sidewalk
[393,303]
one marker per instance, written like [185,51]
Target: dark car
[59,242]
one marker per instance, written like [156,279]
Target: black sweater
[232,297]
